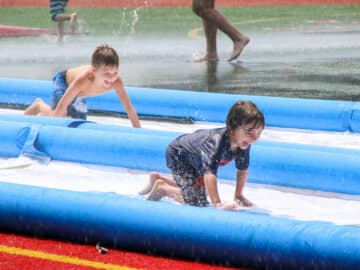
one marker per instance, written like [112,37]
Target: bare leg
[238,47]
[73,17]
[60,18]
[206,10]
[60,26]
[38,107]
[211,55]
[152,179]
[210,30]
[163,189]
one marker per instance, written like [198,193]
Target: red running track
[18,31]
[20,252]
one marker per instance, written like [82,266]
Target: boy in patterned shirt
[194,160]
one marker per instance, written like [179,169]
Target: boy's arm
[126,103]
[210,181]
[241,177]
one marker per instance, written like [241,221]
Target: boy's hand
[242,201]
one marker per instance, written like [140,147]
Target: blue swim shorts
[192,188]
[187,179]
[57,7]
[77,108]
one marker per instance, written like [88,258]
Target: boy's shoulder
[211,131]
[81,69]
[80,73]
[207,133]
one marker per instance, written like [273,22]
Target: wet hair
[243,113]
[104,55]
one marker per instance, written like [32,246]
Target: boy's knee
[159,185]
[154,176]
[38,102]
[202,9]
[55,17]
[158,191]
[198,9]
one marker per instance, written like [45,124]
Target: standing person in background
[213,20]
[58,15]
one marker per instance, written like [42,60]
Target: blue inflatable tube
[78,123]
[278,164]
[200,106]
[83,124]
[231,238]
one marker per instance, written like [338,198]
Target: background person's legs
[202,9]
[213,19]
[210,30]
[59,19]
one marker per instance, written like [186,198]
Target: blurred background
[295,51]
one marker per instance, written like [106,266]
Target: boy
[213,20]
[194,160]
[57,12]
[71,87]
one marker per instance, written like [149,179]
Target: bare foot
[73,17]
[157,191]
[238,47]
[204,58]
[162,189]
[243,201]
[152,179]
[229,206]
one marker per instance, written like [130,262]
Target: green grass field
[148,21]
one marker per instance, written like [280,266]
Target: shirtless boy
[71,87]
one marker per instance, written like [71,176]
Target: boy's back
[207,149]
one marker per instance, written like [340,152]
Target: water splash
[135,19]
[82,26]
[128,22]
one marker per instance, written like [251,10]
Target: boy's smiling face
[107,75]
[244,136]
